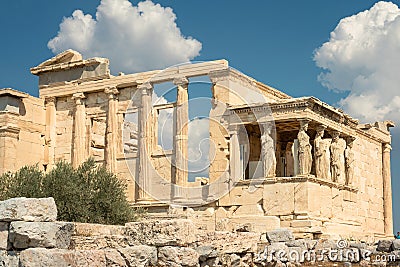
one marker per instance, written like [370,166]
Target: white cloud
[362,58]
[134,38]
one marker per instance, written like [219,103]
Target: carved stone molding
[79,98]
[9,131]
[111,92]
[180,80]
[145,88]
[50,101]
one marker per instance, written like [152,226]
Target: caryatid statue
[337,148]
[305,156]
[322,154]
[268,152]
[349,159]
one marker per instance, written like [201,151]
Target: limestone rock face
[140,256]
[279,235]
[41,257]
[4,235]
[38,257]
[179,232]
[177,256]
[8,259]
[40,234]
[28,209]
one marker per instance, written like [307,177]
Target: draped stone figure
[268,153]
[305,156]
[322,154]
[349,157]
[337,158]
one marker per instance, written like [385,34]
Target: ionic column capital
[78,97]
[386,147]
[50,101]
[180,80]
[111,92]
[145,88]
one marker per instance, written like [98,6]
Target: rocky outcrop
[170,243]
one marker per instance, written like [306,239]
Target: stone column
[111,129]
[387,190]
[181,139]
[79,133]
[234,156]
[144,118]
[50,104]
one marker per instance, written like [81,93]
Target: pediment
[64,57]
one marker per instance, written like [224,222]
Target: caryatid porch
[312,142]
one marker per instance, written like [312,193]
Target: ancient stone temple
[274,160]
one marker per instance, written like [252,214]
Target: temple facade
[274,160]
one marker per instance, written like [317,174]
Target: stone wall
[30,236]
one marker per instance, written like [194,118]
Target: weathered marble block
[280,235]
[179,232]
[28,209]
[140,256]
[24,235]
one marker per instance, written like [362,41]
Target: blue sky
[272,41]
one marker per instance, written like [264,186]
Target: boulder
[28,209]
[178,232]
[177,256]
[279,235]
[24,235]
[139,256]
[384,245]
[396,244]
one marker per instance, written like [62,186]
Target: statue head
[320,130]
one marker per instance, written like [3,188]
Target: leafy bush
[86,194]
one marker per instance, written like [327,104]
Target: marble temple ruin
[275,161]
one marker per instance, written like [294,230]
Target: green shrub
[87,194]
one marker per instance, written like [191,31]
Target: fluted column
[387,190]
[181,139]
[143,178]
[79,136]
[50,104]
[111,129]
[235,170]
